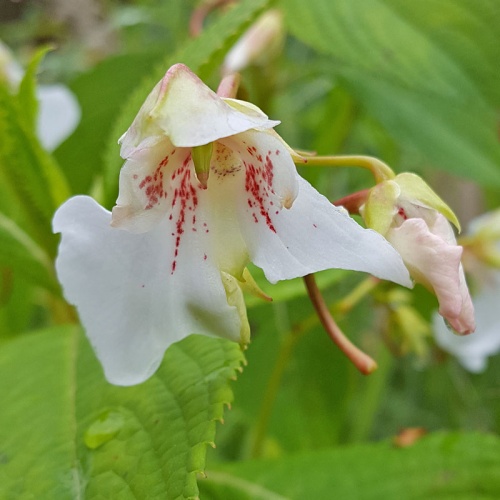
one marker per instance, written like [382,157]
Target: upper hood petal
[189,113]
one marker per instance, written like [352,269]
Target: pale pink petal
[134,295]
[189,113]
[435,263]
[263,37]
[473,350]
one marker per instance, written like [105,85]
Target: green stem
[274,382]
[378,168]
[356,295]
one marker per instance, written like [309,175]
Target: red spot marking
[277,152]
[184,201]
[205,257]
[135,176]
[402,213]
[314,225]
[259,190]
[153,185]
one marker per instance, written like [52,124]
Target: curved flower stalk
[414,220]
[58,113]
[207,187]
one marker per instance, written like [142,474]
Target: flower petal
[151,182]
[314,235]
[58,116]
[133,296]
[473,350]
[252,172]
[189,113]
[434,261]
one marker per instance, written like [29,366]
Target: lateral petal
[314,235]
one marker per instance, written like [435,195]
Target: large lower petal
[434,261]
[314,235]
[135,295]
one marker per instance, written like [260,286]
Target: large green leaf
[203,55]
[440,466]
[413,65]
[66,433]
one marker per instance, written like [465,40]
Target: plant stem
[364,363]
[378,168]
[273,385]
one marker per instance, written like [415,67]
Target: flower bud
[416,222]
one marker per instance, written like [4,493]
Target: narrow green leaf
[28,103]
[66,433]
[203,55]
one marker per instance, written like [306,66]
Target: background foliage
[414,83]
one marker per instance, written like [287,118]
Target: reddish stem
[353,202]
[229,85]
[364,363]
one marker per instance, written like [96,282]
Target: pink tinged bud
[432,256]
[259,44]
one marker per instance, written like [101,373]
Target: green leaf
[22,255]
[407,64]
[31,174]
[202,55]
[440,466]
[66,433]
[28,103]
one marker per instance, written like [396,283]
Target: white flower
[207,186]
